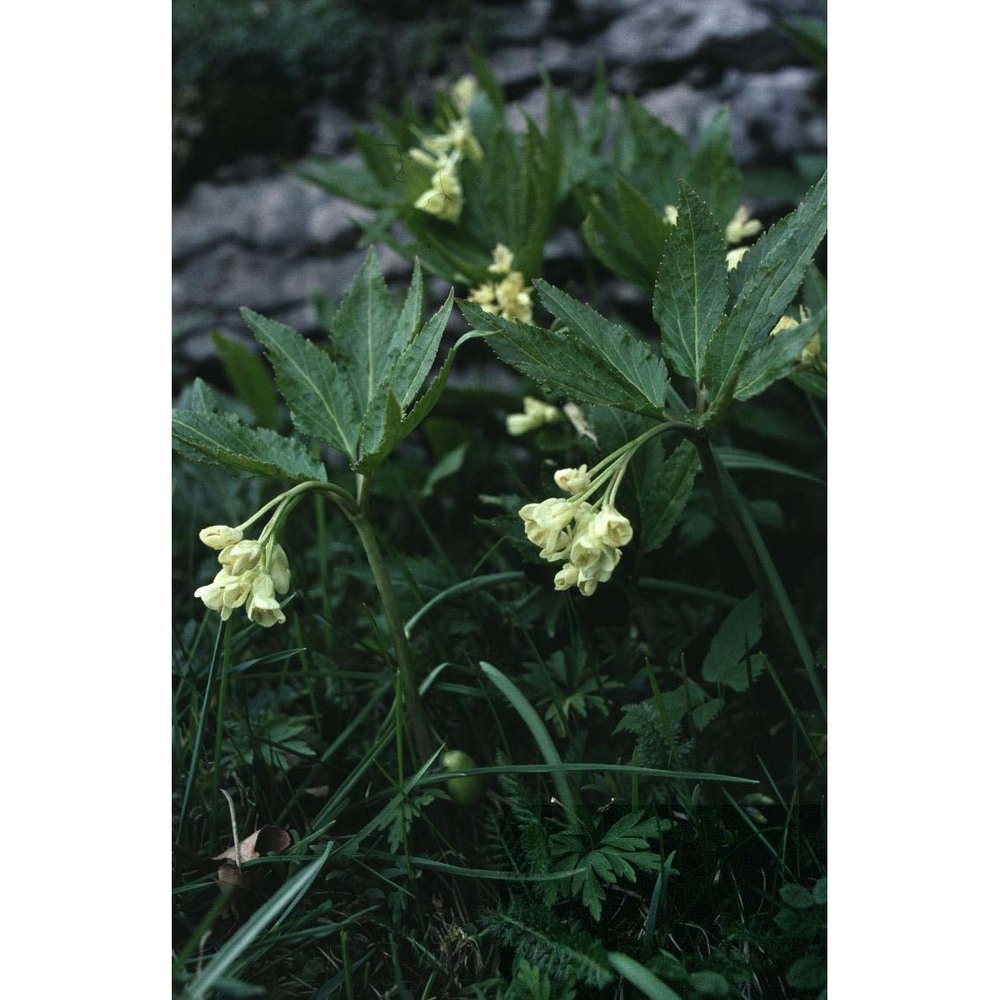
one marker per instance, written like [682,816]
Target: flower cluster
[587,538]
[510,297]
[809,358]
[253,572]
[536,414]
[442,153]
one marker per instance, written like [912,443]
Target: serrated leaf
[664,494]
[631,362]
[221,438]
[609,243]
[202,398]
[384,430]
[776,358]
[418,355]
[363,333]
[319,401]
[726,660]
[769,277]
[691,288]
[554,359]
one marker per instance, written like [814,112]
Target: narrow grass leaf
[233,949]
[538,731]
[641,978]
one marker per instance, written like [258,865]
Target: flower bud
[218,536]
[573,480]
[278,568]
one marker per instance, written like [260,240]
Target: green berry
[468,789]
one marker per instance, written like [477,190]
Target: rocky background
[248,233]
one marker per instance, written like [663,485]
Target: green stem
[425,744]
[745,534]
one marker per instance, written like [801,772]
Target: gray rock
[683,108]
[676,31]
[272,212]
[774,114]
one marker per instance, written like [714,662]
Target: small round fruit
[468,789]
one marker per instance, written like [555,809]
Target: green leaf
[739,458]
[554,360]
[249,377]
[776,358]
[726,661]
[796,896]
[318,400]
[356,184]
[366,341]
[221,438]
[819,891]
[710,984]
[691,287]
[629,360]
[769,277]
[448,466]
[641,978]
[650,154]
[713,172]
[807,973]
[664,493]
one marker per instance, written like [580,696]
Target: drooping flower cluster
[510,297]
[536,414]
[253,572]
[810,356]
[587,538]
[442,153]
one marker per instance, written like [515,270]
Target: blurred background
[261,84]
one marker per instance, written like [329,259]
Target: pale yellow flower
[218,536]
[513,298]
[536,414]
[444,197]
[463,90]
[241,556]
[741,226]
[503,260]
[733,257]
[572,480]
[670,215]
[810,356]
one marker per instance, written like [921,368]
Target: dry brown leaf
[266,840]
